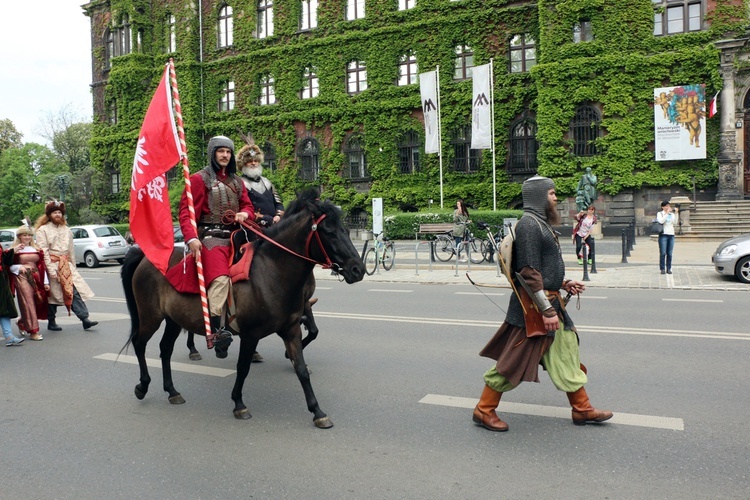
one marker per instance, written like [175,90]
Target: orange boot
[484,412]
[583,411]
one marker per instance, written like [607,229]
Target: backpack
[505,252]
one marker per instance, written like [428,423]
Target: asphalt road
[397,370]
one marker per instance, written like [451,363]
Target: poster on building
[680,122]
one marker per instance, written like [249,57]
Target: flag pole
[492,122]
[191,206]
[440,133]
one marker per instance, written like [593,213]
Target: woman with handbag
[582,233]
[666,237]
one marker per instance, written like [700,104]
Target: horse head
[329,239]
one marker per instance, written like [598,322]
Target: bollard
[585,264]
[634,232]
[593,263]
[627,241]
[631,236]
[432,251]
[624,248]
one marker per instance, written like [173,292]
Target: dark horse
[272,300]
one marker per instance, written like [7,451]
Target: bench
[435,228]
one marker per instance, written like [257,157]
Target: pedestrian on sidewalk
[460,220]
[585,221]
[666,237]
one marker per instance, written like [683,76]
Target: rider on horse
[216,189]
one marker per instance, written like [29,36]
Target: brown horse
[272,300]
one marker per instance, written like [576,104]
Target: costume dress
[29,277]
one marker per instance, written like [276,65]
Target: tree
[10,137]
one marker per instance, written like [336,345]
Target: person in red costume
[216,189]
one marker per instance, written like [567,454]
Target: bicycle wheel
[476,255]
[371,262]
[389,255]
[444,248]
[487,250]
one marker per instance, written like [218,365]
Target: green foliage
[10,137]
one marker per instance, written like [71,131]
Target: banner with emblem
[481,113]
[431,111]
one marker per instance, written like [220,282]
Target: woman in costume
[30,282]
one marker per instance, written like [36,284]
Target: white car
[97,243]
[7,237]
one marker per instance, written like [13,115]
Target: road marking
[480,293]
[694,300]
[108,299]
[652,421]
[323,287]
[95,316]
[391,291]
[176,366]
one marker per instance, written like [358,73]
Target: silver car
[732,258]
[7,237]
[95,243]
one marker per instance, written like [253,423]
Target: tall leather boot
[583,412]
[222,338]
[484,412]
[51,323]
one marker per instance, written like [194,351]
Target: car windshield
[106,231]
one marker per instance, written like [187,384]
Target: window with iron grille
[406,4]
[309,84]
[308,155]
[677,16]
[355,9]
[523,146]
[521,53]
[464,63]
[582,32]
[226,103]
[356,77]
[408,153]
[407,70]
[465,159]
[356,163]
[584,130]
[309,18]
[265,19]
[269,157]
[225,27]
[171,33]
[267,91]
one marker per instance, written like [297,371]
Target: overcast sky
[45,62]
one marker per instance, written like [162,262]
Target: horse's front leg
[294,348]
[166,348]
[194,354]
[245,358]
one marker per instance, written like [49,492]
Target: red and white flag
[713,107]
[157,151]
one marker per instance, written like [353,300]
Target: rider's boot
[222,338]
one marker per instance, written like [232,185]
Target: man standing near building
[66,286]
[216,189]
[539,331]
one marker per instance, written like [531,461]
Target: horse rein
[229,218]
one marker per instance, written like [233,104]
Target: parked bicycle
[492,241]
[445,247]
[383,253]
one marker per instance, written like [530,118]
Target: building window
[269,157]
[584,130]
[114,182]
[267,91]
[112,112]
[355,9]
[109,52]
[309,84]
[465,159]
[308,154]
[225,27]
[171,34]
[582,32]
[522,53]
[408,153]
[226,103]
[406,4]
[124,37]
[523,146]
[464,63]
[265,19]
[356,163]
[677,16]
[407,70]
[309,15]
[356,77]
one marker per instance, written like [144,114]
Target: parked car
[7,237]
[179,239]
[732,258]
[95,243]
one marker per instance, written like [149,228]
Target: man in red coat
[216,189]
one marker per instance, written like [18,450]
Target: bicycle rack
[416,255]
[467,250]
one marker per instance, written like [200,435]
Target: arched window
[356,163]
[584,130]
[265,19]
[269,157]
[225,27]
[308,154]
[408,153]
[465,159]
[523,146]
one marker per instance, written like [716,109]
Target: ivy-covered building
[330,90]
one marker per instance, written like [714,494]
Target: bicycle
[445,247]
[492,241]
[383,253]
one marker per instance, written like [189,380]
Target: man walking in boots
[66,286]
[537,329]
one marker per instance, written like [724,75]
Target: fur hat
[248,153]
[24,230]
[54,205]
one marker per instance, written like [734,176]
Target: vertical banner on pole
[377,216]
[428,89]
[481,113]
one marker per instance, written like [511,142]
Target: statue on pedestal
[586,193]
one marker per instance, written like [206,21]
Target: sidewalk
[691,267]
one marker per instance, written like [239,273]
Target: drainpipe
[200,56]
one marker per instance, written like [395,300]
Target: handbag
[656,227]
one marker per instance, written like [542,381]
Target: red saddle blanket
[183,276]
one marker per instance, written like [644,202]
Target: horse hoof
[243,414]
[177,399]
[195,356]
[139,393]
[323,423]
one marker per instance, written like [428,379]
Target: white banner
[429,91]
[680,122]
[481,113]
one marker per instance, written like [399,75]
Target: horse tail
[132,259]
